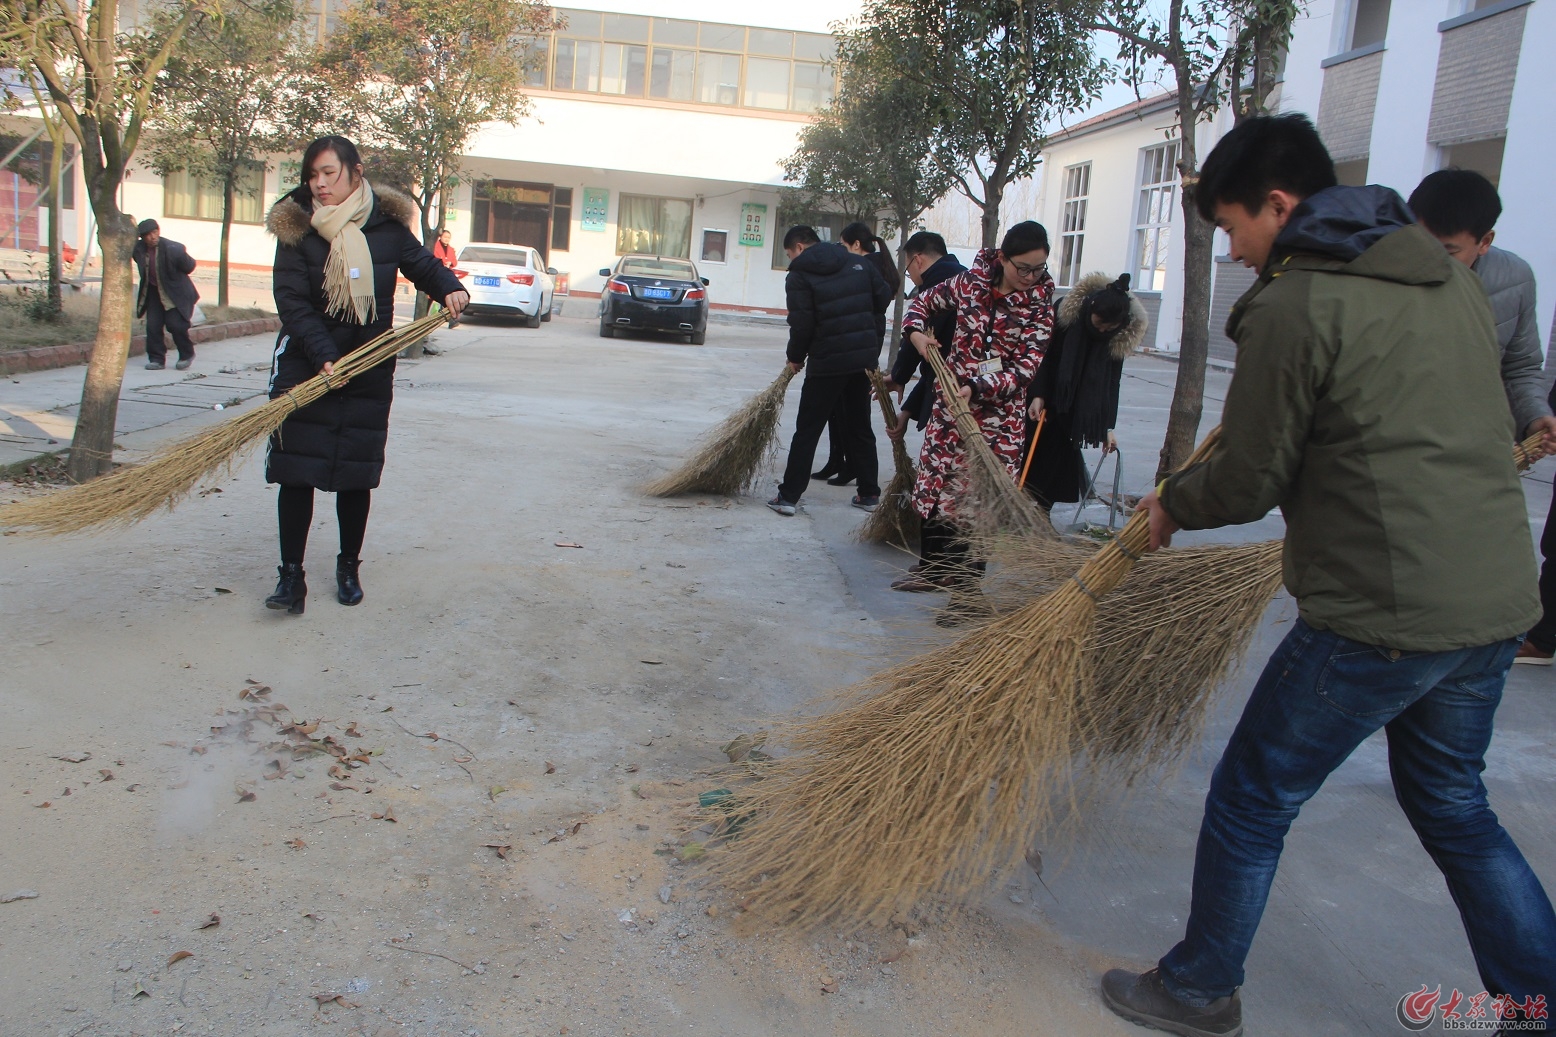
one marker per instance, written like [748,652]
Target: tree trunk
[56,267]
[1188,398]
[229,190]
[91,448]
[993,195]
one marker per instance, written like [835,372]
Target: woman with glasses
[1004,317]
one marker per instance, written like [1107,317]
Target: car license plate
[487,282]
[658,293]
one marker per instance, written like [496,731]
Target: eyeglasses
[1022,270]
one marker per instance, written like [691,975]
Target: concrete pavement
[701,619]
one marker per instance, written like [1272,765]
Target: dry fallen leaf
[339,999]
[352,730]
[297,844]
[106,773]
[74,757]
[45,803]
[387,815]
[245,795]
[138,991]
[210,923]
[342,787]
[178,956]
[503,849]
[567,543]
[312,916]
[550,767]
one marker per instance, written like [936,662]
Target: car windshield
[486,254]
[659,268]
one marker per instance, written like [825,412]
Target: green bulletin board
[596,203]
[753,218]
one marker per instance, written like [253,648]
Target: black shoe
[1141,998]
[349,587]
[828,471]
[183,365]
[866,502]
[841,479]
[155,365]
[291,589]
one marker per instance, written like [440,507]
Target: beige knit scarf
[348,272]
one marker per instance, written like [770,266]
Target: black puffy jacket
[337,442]
[922,399]
[837,310]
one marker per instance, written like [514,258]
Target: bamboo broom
[993,500]
[135,492]
[895,520]
[733,451]
[940,770]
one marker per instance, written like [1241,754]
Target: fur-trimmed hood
[290,222]
[1129,337]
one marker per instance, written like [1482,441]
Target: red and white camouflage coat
[998,345]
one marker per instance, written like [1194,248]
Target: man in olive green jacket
[1368,406]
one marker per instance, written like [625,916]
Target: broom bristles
[894,520]
[135,492]
[733,451]
[993,502]
[937,771]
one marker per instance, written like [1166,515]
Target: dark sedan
[652,293]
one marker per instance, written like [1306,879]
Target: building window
[1483,156]
[1153,218]
[670,59]
[537,61]
[767,83]
[561,219]
[1369,23]
[1072,235]
[673,74]
[654,226]
[189,197]
[718,78]
[1352,173]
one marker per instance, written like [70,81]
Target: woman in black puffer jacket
[339,245]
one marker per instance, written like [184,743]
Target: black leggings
[943,546]
[294,506]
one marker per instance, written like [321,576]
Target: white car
[506,281]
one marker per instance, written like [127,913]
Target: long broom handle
[1021,484]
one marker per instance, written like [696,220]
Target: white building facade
[1397,90]
[647,134]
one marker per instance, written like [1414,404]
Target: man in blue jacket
[167,296]
[837,319]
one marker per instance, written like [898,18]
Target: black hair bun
[1122,284]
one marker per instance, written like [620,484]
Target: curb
[47,358]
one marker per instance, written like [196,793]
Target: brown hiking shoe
[1142,998]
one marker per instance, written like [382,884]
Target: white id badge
[990,366]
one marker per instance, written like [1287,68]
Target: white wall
[1528,224]
[1399,154]
[747,148]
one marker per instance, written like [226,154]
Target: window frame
[200,190]
[622,199]
[1149,198]
[1075,198]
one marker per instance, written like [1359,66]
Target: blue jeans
[1321,696]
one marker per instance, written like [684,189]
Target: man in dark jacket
[1368,406]
[167,296]
[927,262]
[837,319]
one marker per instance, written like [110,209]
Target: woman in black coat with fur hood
[1076,389]
[339,245]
